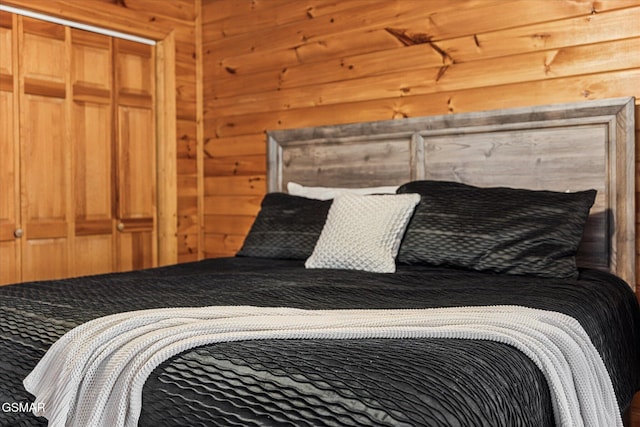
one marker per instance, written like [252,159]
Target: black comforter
[435,382]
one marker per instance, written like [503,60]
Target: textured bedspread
[428,381]
[94,374]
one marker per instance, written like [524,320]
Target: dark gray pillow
[287,227]
[501,230]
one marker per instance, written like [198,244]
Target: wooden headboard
[566,147]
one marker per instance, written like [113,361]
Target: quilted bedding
[322,382]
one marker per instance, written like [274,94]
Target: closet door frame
[10,228]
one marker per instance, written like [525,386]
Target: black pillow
[287,227]
[501,230]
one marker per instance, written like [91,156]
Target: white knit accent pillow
[363,232]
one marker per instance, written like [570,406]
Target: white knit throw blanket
[94,374]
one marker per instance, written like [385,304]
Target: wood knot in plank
[549,60]
[407,38]
[540,40]
[541,36]
[344,65]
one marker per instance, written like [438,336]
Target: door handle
[18,233]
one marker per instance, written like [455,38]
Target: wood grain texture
[449,52]
[313,65]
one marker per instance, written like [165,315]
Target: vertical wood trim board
[166,152]
[200,128]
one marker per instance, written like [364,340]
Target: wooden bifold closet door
[78,152]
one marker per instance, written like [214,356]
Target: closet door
[94,147]
[45,156]
[9,175]
[136,156]
[78,152]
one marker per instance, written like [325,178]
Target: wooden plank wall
[156,19]
[276,64]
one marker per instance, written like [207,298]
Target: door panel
[136,178]
[44,151]
[93,142]
[43,156]
[94,254]
[45,259]
[136,190]
[93,165]
[136,174]
[135,69]
[44,166]
[136,250]
[9,254]
[6,44]
[43,51]
[91,62]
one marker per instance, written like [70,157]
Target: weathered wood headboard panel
[566,147]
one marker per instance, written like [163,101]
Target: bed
[557,180]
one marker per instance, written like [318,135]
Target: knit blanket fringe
[94,374]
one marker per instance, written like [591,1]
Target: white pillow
[327,193]
[363,232]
